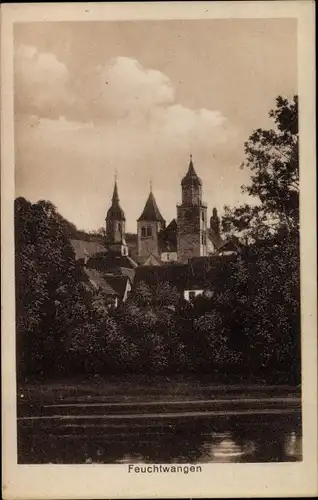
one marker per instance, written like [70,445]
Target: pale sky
[138,97]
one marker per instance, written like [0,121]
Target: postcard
[159,319]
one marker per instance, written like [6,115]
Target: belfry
[115,225]
[149,225]
[191,218]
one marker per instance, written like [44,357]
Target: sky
[137,98]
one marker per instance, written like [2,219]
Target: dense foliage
[271,156]
[249,327]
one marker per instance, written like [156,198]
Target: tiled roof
[84,249]
[107,261]
[149,260]
[151,212]
[130,273]
[117,283]
[99,282]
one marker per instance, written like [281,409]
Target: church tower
[149,224]
[191,218]
[215,222]
[115,226]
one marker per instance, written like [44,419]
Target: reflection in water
[205,440]
[293,446]
[225,449]
[130,459]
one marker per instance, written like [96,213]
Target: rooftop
[151,212]
[85,249]
[191,176]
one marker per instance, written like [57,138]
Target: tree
[264,298]
[45,264]
[264,289]
[142,295]
[272,157]
[166,295]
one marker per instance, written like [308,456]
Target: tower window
[202,215]
[143,232]
[149,231]
[203,239]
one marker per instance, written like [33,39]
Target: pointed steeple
[151,212]
[191,167]
[115,198]
[115,212]
[191,176]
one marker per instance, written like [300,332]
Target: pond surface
[220,426]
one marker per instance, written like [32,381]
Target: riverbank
[143,389]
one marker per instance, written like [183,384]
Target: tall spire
[115,198]
[191,167]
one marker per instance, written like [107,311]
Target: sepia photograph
[157,257]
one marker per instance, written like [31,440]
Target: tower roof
[191,176]
[115,212]
[151,212]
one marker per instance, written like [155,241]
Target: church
[188,252]
[187,236]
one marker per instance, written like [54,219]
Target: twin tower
[191,234]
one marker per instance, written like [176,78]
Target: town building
[186,252]
[186,236]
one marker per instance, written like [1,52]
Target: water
[158,421]
[267,437]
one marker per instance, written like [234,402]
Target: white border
[216,480]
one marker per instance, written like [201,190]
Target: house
[100,285]
[200,276]
[108,271]
[120,284]
[113,263]
[229,247]
[115,289]
[85,249]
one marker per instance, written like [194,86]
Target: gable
[152,260]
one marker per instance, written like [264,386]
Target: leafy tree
[45,263]
[166,295]
[264,293]
[213,348]
[142,295]
[99,346]
[272,158]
